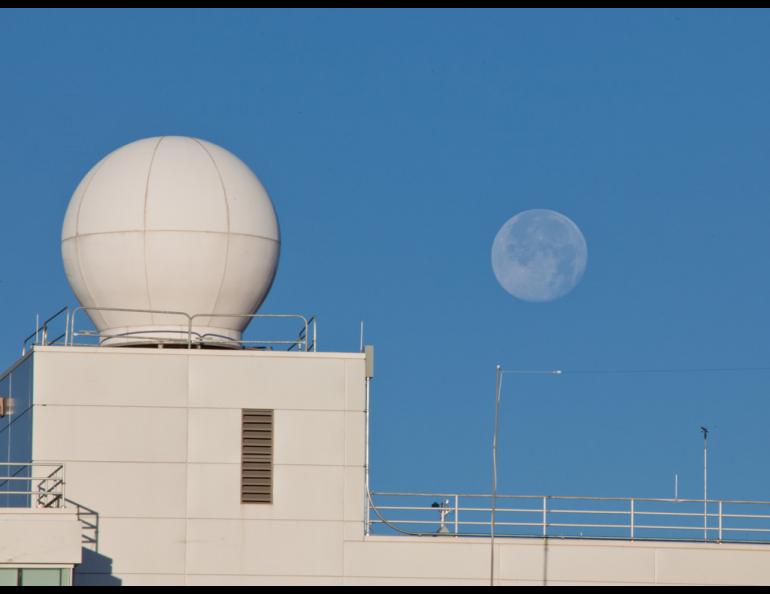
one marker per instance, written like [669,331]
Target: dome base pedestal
[171,336]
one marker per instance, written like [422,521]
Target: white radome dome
[173,224]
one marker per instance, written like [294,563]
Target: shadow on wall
[95,570]
[89,522]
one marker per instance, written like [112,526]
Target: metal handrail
[190,338]
[73,333]
[302,339]
[569,497]
[41,331]
[743,525]
[306,340]
[45,491]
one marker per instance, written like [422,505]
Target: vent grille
[257,456]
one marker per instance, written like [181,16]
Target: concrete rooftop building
[159,445]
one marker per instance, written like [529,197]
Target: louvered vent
[257,456]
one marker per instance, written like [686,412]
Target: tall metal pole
[498,382]
[498,388]
[705,481]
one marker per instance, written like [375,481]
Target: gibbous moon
[539,255]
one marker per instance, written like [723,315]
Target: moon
[539,255]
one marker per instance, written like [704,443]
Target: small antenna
[361,343]
[705,481]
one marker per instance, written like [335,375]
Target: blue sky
[394,145]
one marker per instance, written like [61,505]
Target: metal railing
[31,484]
[184,336]
[454,514]
[40,335]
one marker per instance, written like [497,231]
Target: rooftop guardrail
[49,332]
[31,485]
[454,514]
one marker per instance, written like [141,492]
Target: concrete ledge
[443,560]
[40,536]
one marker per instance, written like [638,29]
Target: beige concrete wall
[462,561]
[151,441]
[39,536]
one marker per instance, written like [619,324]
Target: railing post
[72,325]
[457,514]
[545,516]
[720,520]
[632,519]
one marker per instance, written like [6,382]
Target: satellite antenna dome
[170,224]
